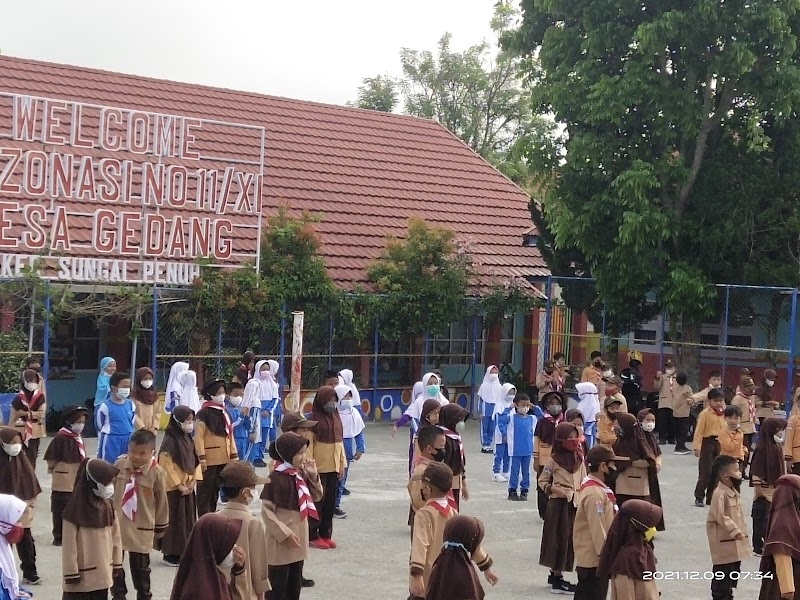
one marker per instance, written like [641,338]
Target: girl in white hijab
[352,431]
[262,398]
[174,388]
[346,378]
[11,511]
[417,391]
[189,395]
[489,393]
[501,416]
[589,405]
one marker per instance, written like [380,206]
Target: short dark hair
[230,492]
[715,394]
[235,385]
[558,355]
[733,411]
[31,360]
[715,373]
[523,397]
[595,354]
[427,435]
[143,437]
[681,378]
[329,374]
[118,377]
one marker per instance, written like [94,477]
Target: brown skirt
[770,590]
[557,553]
[182,517]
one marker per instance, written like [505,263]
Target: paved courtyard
[371,560]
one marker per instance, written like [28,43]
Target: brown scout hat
[602,453]
[611,400]
[439,475]
[240,474]
[296,421]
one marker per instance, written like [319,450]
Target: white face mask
[31,386]
[347,403]
[523,410]
[105,492]
[264,374]
[227,562]
[236,400]
[778,438]
[670,371]
[608,373]
[218,399]
[460,427]
[77,428]
[716,386]
[648,426]
[494,377]
[188,427]
[147,384]
[123,392]
[12,449]
[510,398]
[770,382]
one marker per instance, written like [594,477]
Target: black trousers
[722,589]
[665,423]
[325,507]
[590,586]
[32,450]
[208,490]
[58,502]
[681,432]
[26,548]
[708,452]
[95,595]
[747,441]
[541,497]
[286,581]
[140,575]
[760,514]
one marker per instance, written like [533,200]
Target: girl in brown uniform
[767,466]
[781,558]
[145,396]
[28,409]
[452,421]
[544,437]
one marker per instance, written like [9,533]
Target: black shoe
[551,579]
[699,503]
[172,559]
[338,513]
[345,492]
[512,495]
[308,582]
[57,543]
[562,587]
[34,579]
[524,496]
[259,463]
[487,451]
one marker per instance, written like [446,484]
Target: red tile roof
[363,173]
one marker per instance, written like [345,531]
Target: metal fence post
[474,365]
[790,362]
[219,346]
[46,341]
[282,371]
[330,341]
[548,316]
[603,335]
[725,329]
[377,347]
[154,332]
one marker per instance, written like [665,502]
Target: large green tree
[646,94]
[377,93]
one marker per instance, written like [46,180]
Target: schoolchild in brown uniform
[731,440]
[178,458]
[453,574]
[28,410]
[63,456]
[726,527]
[18,478]
[700,399]
[561,479]
[431,443]
[681,411]
[288,503]
[634,477]
[145,396]
[648,420]
[544,435]
[791,446]
[768,465]
[239,481]
[213,442]
[140,499]
[745,399]
[665,384]
[707,432]
[606,420]
[595,513]
[781,558]
[765,404]
[628,552]
[92,549]
[452,420]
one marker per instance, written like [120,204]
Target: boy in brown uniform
[239,481]
[745,400]
[431,442]
[665,384]
[28,411]
[731,439]
[606,421]
[595,513]
[140,500]
[710,426]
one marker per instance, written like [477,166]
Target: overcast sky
[309,49]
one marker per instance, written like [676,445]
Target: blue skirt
[110,446]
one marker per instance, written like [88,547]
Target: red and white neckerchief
[130,497]
[590,481]
[451,500]
[559,383]
[751,405]
[78,439]
[443,506]
[228,424]
[307,506]
[249,375]
[28,433]
[454,436]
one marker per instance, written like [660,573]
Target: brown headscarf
[651,438]
[652,471]
[211,540]
[429,406]
[35,398]
[566,459]
[783,528]
[17,476]
[451,415]
[453,574]
[329,425]
[546,427]
[280,488]
[179,444]
[141,394]
[64,447]
[84,508]
[626,552]
[632,443]
[768,462]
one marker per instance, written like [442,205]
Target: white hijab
[509,391]
[173,385]
[415,410]
[11,510]
[255,389]
[346,378]
[416,392]
[352,423]
[188,394]
[491,392]
[273,390]
[589,401]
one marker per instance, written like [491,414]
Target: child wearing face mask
[725,526]
[543,438]
[213,442]
[239,481]
[765,404]
[731,439]
[28,409]
[707,433]
[519,441]
[607,420]
[92,551]
[681,411]
[145,396]
[64,456]
[791,447]
[431,442]
[266,405]
[647,418]
[178,458]
[18,478]
[115,419]
[240,418]
[140,501]
[768,465]
[452,420]
[745,400]
[490,393]
[352,436]
[665,384]
[502,416]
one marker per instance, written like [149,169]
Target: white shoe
[506,476]
[499,478]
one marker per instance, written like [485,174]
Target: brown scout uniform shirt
[724,522]
[605,430]
[330,458]
[701,397]
[282,523]
[152,511]
[791,445]
[633,481]
[743,403]
[92,553]
[176,476]
[708,425]
[415,487]
[557,482]
[666,385]
[592,521]
[681,401]
[63,475]
[148,416]
[731,443]
[251,584]
[37,418]
[213,449]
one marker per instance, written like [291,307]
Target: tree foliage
[377,93]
